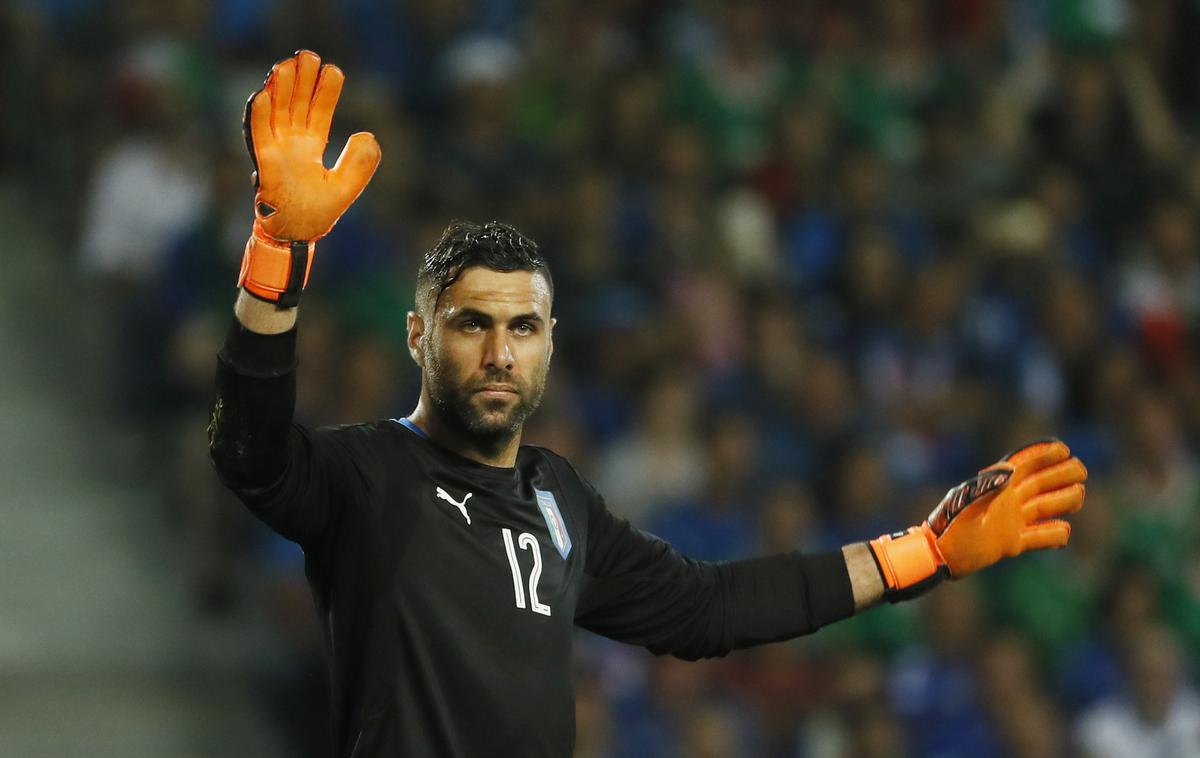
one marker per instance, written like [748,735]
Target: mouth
[497,391]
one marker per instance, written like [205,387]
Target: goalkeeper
[449,563]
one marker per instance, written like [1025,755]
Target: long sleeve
[640,590]
[286,474]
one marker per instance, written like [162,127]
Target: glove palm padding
[297,199]
[1009,508]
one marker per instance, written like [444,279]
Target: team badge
[554,521]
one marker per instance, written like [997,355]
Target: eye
[471,325]
[524,329]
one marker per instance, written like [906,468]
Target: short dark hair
[464,244]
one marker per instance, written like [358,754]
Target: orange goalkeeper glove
[1006,509]
[298,200]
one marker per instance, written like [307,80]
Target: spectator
[1158,714]
[936,691]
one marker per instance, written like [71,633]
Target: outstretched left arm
[638,589]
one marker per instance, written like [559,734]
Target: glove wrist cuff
[275,270]
[909,562]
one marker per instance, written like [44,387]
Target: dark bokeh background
[816,262]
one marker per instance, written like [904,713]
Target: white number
[527,542]
[518,590]
[530,543]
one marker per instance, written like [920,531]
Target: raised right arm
[252,440]
[285,473]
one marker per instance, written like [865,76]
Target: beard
[492,422]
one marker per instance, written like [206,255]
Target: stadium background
[816,262]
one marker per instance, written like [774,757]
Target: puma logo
[461,506]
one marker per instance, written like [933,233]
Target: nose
[498,352]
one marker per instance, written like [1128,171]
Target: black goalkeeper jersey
[448,589]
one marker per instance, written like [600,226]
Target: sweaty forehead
[487,290]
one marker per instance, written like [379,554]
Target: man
[448,562]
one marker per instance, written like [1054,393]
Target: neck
[500,452]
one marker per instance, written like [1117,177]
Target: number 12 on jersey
[527,542]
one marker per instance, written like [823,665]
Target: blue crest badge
[554,521]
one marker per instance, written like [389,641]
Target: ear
[416,338]
[553,321]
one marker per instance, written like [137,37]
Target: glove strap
[275,270]
[909,562]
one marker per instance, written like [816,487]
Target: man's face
[485,349]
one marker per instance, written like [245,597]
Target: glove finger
[307,65]
[1051,504]
[1037,455]
[1045,535]
[258,131]
[328,90]
[1070,471]
[282,82]
[355,165]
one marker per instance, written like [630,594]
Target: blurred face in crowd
[1152,661]
[484,350]
[952,621]
[1154,430]
[1172,229]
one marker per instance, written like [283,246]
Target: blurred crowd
[815,262]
